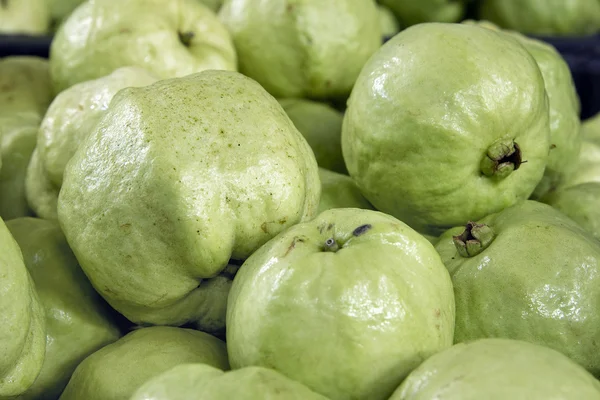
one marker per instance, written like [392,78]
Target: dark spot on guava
[186,38]
[292,245]
[361,229]
[330,227]
[125,30]
[263,226]
[125,226]
[290,8]
[552,146]
[437,312]
[283,220]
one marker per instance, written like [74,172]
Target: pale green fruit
[411,12]
[169,38]
[69,119]
[545,17]
[201,381]
[60,10]
[498,369]
[321,126]
[212,4]
[116,371]
[440,122]
[527,273]
[581,203]
[22,325]
[303,48]
[29,17]
[387,21]
[18,136]
[588,165]
[76,321]
[590,128]
[347,304]
[565,126]
[339,191]
[175,180]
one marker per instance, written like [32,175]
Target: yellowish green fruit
[169,38]
[588,165]
[212,4]
[498,369]
[76,317]
[321,126]
[177,179]
[527,273]
[347,304]
[22,324]
[303,48]
[201,381]
[29,17]
[590,128]
[446,123]
[411,12]
[387,21]
[60,10]
[340,191]
[116,371]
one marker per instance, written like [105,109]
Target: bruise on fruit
[292,245]
[263,226]
[325,226]
[361,229]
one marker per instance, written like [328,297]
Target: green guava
[170,39]
[303,48]
[498,369]
[69,119]
[527,273]
[347,304]
[60,10]
[590,128]
[588,166]
[24,17]
[321,126]
[176,179]
[411,12]
[544,17]
[581,203]
[212,4]
[339,191]
[22,324]
[117,370]
[201,381]
[447,123]
[387,21]
[76,321]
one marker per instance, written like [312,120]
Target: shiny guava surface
[70,118]
[76,316]
[176,179]
[411,12]
[169,38]
[116,371]
[201,381]
[498,369]
[22,324]
[347,304]
[440,123]
[321,126]
[528,273]
[340,191]
[544,17]
[29,17]
[303,48]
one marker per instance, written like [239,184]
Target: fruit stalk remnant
[331,245]
[501,159]
[474,239]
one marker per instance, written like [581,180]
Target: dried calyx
[474,239]
[501,159]
[186,38]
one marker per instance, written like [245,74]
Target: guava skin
[410,12]
[498,369]
[200,381]
[376,284]
[339,191]
[76,316]
[544,17]
[294,48]
[387,21]
[536,277]
[177,179]
[169,38]
[24,17]
[22,324]
[442,128]
[116,371]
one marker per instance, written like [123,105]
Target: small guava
[411,12]
[339,191]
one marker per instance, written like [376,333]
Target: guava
[212,4]
[175,180]
[69,119]
[347,304]
[411,12]
[303,48]
[527,273]
[588,165]
[169,38]
[23,328]
[581,203]
[321,126]
[590,128]
[544,17]
[76,316]
[446,123]
[201,381]
[498,369]
[339,191]
[117,370]
[387,21]
[28,17]
[60,10]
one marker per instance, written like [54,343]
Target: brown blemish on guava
[361,229]
[437,312]
[292,245]
[263,226]
[283,220]
[125,226]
